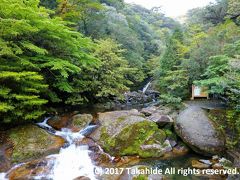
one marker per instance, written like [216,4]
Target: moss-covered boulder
[129,133]
[31,142]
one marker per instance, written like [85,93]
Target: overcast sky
[172,8]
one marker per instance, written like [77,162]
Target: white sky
[172,8]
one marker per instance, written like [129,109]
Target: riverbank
[109,141]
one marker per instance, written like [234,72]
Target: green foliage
[140,31]
[233,121]
[214,74]
[209,44]
[210,15]
[111,77]
[172,77]
[234,10]
[214,61]
[39,55]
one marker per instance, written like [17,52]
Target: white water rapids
[72,161]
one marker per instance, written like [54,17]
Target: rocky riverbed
[73,145]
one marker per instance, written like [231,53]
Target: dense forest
[56,53]
[73,52]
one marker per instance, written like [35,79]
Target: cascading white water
[146,87]
[2,176]
[72,161]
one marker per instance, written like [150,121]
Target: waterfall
[72,161]
[146,87]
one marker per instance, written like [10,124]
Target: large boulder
[31,142]
[199,132]
[129,133]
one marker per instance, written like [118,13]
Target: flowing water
[71,162]
[145,88]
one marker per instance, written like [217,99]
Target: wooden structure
[199,92]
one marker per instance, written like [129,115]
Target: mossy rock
[80,121]
[127,134]
[31,142]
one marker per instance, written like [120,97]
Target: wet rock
[148,111]
[30,170]
[104,118]
[180,149]
[160,110]
[134,97]
[199,165]
[59,122]
[233,177]
[217,166]
[31,142]
[199,132]
[126,132]
[5,152]
[177,151]
[158,149]
[161,120]
[80,121]
[172,142]
[125,161]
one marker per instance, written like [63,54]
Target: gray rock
[148,111]
[233,177]
[172,142]
[161,120]
[161,148]
[199,132]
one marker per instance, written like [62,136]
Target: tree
[112,77]
[206,44]
[172,77]
[39,56]
[80,12]
[234,10]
